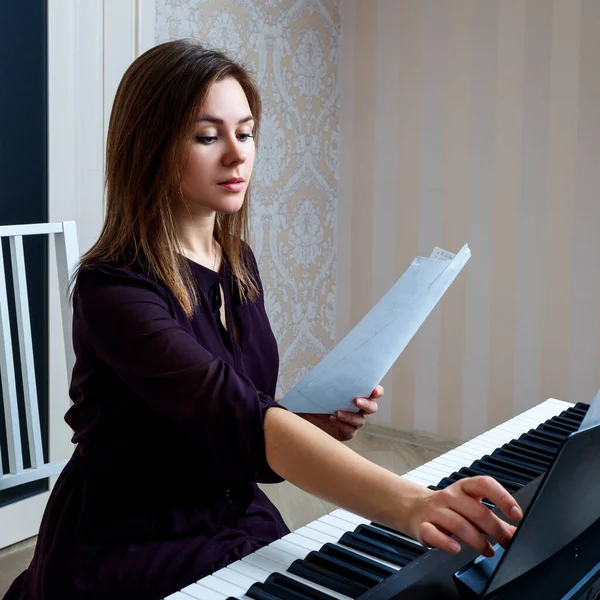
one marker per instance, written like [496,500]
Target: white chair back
[67,255]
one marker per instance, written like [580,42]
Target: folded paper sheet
[358,363]
[592,417]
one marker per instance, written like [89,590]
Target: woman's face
[221,151]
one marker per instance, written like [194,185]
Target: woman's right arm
[309,458]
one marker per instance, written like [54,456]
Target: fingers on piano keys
[342,555]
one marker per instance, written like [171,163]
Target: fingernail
[515,513]
[360,403]
[454,547]
[332,418]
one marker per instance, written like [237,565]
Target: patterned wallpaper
[292,47]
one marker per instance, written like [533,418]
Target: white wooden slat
[31,229]
[67,256]
[27,475]
[9,386]
[34,433]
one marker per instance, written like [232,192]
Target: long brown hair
[154,108]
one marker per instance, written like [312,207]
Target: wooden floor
[296,506]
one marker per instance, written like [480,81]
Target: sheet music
[359,362]
[592,417]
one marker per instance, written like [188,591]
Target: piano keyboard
[342,555]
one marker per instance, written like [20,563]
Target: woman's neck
[197,241]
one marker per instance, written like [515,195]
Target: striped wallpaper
[475,121]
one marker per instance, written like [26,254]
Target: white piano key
[325,528]
[215,584]
[282,558]
[519,426]
[234,577]
[178,596]
[251,571]
[302,541]
[419,476]
[195,590]
[332,520]
[289,548]
[346,515]
[317,536]
[432,469]
[262,562]
[207,594]
[425,479]
[447,461]
[481,446]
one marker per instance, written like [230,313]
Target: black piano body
[563,576]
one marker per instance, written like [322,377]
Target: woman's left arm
[343,425]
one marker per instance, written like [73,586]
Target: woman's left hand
[343,425]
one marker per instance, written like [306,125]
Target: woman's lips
[236,186]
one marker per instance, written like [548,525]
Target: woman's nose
[235,154]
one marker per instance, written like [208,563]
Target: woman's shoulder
[102,278]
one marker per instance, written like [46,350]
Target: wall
[475,121]
[292,47]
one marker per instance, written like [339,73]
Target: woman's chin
[230,207]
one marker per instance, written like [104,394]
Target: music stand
[565,504]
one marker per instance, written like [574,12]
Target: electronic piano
[342,555]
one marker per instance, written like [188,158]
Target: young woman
[174,414]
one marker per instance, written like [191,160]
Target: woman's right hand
[457,510]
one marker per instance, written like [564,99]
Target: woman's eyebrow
[211,119]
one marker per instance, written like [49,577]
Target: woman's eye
[206,139]
[244,136]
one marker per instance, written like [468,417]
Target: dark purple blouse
[168,420]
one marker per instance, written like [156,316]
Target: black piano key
[341,567]
[506,462]
[529,452]
[487,467]
[389,539]
[518,459]
[358,560]
[282,593]
[559,428]
[414,545]
[257,591]
[546,437]
[456,476]
[327,578]
[511,486]
[540,445]
[375,549]
[446,481]
[546,432]
[280,581]
[576,413]
[569,422]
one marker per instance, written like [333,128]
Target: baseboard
[25,544]
[417,438]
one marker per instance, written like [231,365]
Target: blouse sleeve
[129,323]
